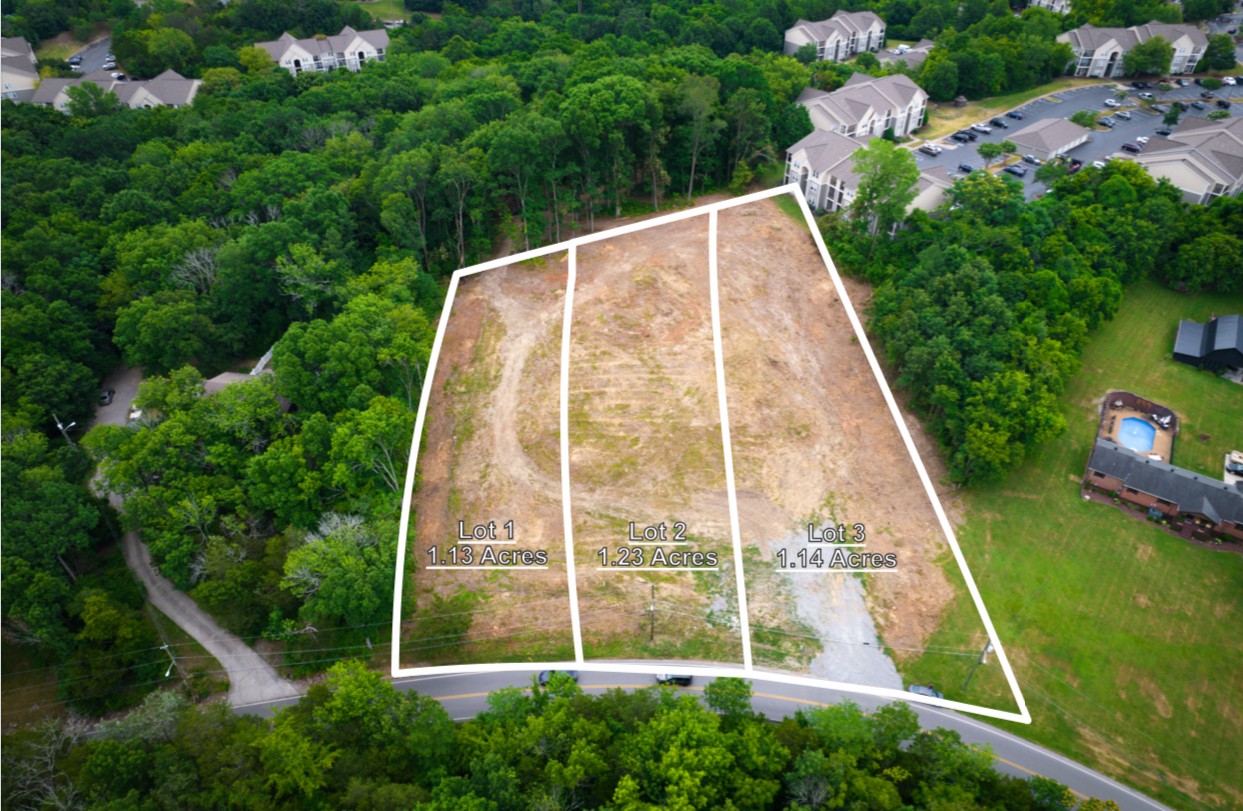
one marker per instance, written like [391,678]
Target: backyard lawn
[1126,641]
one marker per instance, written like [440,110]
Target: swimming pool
[1137,434]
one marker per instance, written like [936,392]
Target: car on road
[680,680]
[930,149]
[1106,122]
[1112,103]
[966,168]
[1016,170]
[1123,114]
[1199,105]
[1133,148]
[925,690]
[1015,114]
[105,396]
[984,129]
[960,137]
[1000,122]
[546,676]
[1223,104]
[1032,159]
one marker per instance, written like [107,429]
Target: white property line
[735,533]
[567,516]
[603,666]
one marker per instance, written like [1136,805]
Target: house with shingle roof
[1166,490]
[838,38]
[19,72]
[866,106]
[1203,158]
[349,50]
[169,89]
[1099,52]
[1215,346]
[1049,138]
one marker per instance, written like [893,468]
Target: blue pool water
[1137,434]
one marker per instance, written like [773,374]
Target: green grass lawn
[381,9]
[1126,641]
[944,118]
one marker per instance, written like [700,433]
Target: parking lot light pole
[64,430]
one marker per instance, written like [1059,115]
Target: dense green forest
[354,742]
[321,215]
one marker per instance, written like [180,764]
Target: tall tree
[887,176]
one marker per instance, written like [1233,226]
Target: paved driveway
[1064,105]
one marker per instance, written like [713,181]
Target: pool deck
[1111,426]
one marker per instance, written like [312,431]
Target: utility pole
[988,648]
[64,429]
[172,661]
[651,611]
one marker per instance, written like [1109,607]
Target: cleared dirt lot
[490,454]
[813,440]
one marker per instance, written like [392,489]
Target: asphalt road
[1067,103]
[465,696]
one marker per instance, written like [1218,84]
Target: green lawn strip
[381,9]
[1124,639]
[1012,100]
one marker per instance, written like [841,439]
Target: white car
[1098,164]
[1228,80]
[1111,103]
[1142,139]
[984,128]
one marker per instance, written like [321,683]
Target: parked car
[135,413]
[109,66]
[1016,170]
[1000,122]
[1208,94]
[966,168]
[105,396]
[1199,81]
[925,690]
[1182,82]
[960,137]
[1130,147]
[1228,80]
[75,60]
[545,676]
[1147,96]
[1139,85]
[1157,108]
[1142,140]
[984,129]
[1032,159]
[1198,105]
[1223,104]
[674,678]
[1015,114]
[1111,103]
[930,149]
[120,77]
[970,136]
[1182,105]
[1106,122]
[1098,164]
[1074,166]
[1124,114]
[1166,131]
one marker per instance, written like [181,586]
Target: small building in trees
[1215,346]
[868,106]
[1099,52]
[1049,138]
[169,89]
[1203,158]
[842,36]
[349,50]
[19,73]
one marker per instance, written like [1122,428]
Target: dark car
[1032,159]
[673,678]
[105,396]
[925,690]
[1106,122]
[1199,81]
[1198,105]
[545,676]
[1208,94]
[1016,170]
[1141,85]
[1129,147]
[1074,166]
[930,149]
[1234,467]
[1182,83]
[966,168]
[1223,104]
[1000,122]
[1157,108]
[1165,131]
[75,60]
[968,134]
[960,138]
[1015,114]
[1182,105]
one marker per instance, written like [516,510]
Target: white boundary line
[567,515]
[1023,716]
[735,532]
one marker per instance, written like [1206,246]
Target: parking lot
[1067,103]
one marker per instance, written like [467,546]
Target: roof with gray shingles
[1192,492]
[1198,340]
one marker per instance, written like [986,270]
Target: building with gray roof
[1203,158]
[1049,138]
[838,38]
[1099,52]
[1215,346]
[349,49]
